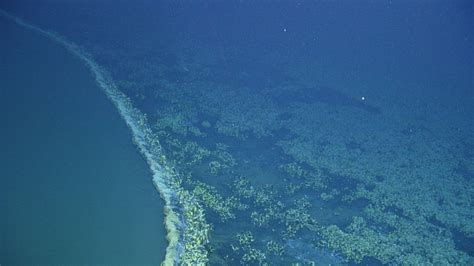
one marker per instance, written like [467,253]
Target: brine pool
[73,187]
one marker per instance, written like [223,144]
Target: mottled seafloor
[333,133]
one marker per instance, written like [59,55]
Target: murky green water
[73,187]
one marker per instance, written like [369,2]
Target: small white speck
[362,98]
[284,29]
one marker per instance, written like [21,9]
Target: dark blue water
[330,132]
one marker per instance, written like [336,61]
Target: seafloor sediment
[371,180]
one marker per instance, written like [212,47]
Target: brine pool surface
[73,187]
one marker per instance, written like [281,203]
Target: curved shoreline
[187,230]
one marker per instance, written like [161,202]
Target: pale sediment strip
[187,230]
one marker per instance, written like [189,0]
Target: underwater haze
[275,132]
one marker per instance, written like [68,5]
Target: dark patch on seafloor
[325,95]
[308,254]
[463,242]
[463,170]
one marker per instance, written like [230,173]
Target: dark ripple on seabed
[324,95]
[307,253]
